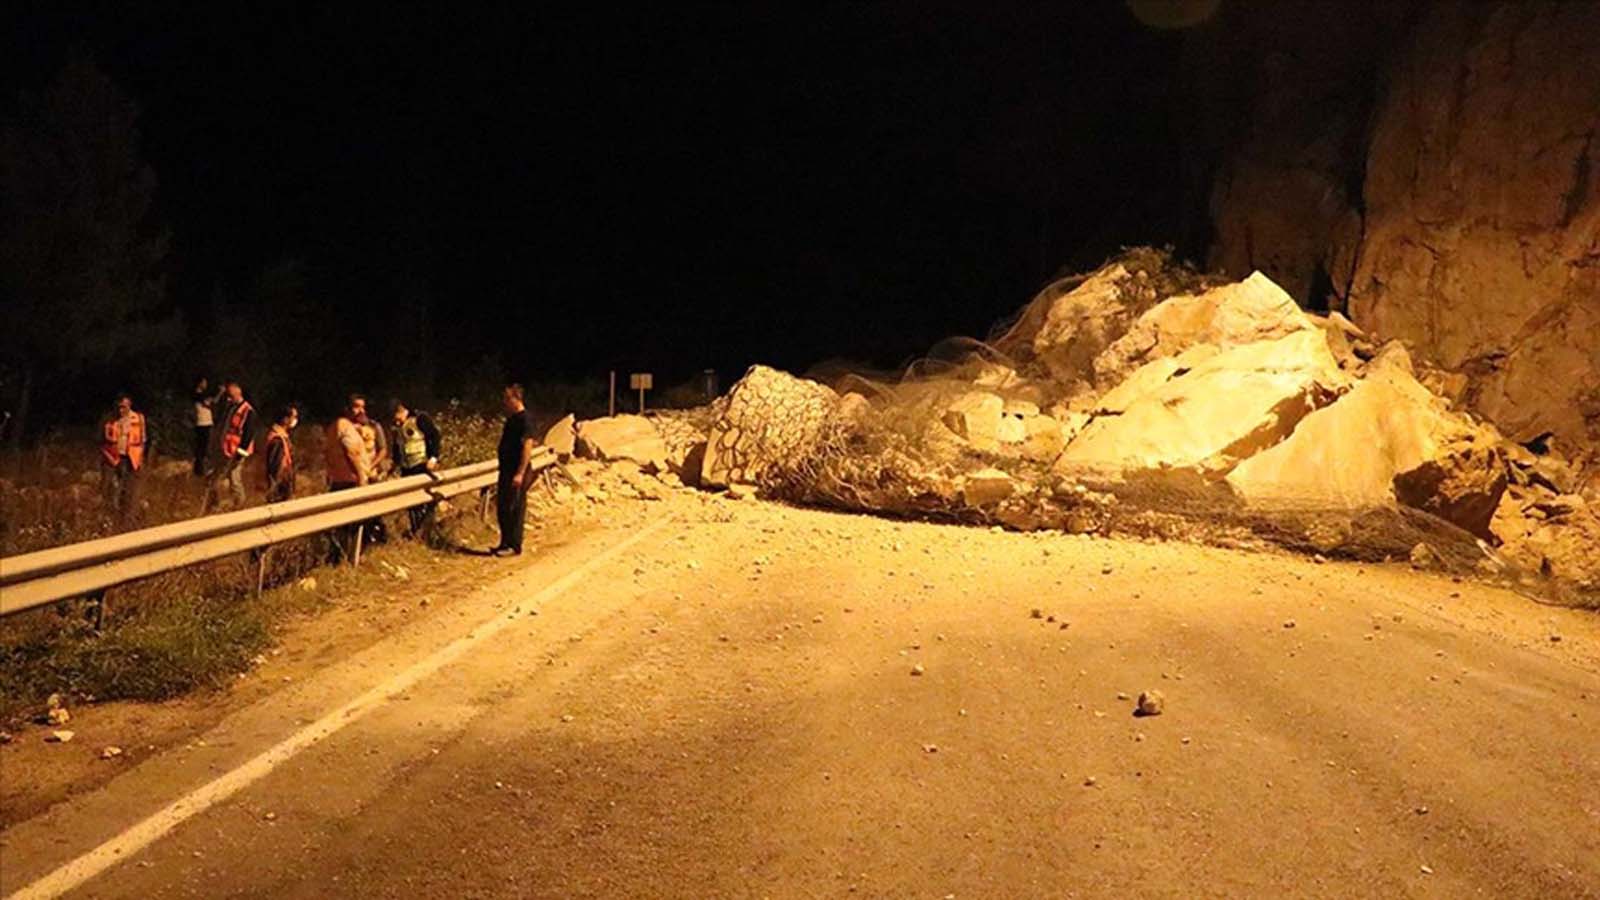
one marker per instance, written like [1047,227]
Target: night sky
[666,187]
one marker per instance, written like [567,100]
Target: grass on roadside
[159,639]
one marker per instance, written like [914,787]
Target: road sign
[641,381]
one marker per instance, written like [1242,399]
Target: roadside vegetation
[198,627]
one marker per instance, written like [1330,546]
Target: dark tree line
[81,250]
[87,309]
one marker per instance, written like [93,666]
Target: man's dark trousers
[511,505]
[419,515]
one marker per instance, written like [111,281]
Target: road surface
[709,698]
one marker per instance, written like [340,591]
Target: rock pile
[1140,393]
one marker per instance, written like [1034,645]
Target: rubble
[1144,398]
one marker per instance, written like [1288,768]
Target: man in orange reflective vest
[122,450]
[280,455]
[236,443]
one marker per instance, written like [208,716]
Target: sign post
[641,382]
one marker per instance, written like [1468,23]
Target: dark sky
[668,186]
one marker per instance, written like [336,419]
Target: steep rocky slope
[1429,167]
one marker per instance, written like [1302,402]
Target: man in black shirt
[516,452]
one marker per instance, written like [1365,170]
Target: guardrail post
[261,569]
[355,558]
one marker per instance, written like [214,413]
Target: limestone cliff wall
[1433,169]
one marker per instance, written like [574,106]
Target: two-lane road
[756,701]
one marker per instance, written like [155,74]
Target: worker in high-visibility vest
[235,445]
[414,441]
[280,454]
[124,443]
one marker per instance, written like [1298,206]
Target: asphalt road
[753,701]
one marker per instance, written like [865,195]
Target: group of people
[359,451]
[226,436]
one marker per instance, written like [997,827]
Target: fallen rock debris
[1145,399]
[1150,703]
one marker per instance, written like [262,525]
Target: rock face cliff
[1433,169]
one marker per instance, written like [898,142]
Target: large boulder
[769,428]
[1244,312]
[1227,408]
[1389,440]
[621,437]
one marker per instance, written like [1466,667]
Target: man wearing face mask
[280,454]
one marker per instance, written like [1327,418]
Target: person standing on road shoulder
[348,464]
[280,455]
[515,456]
[204,403]
[237,445]
[415,444]
[122,449]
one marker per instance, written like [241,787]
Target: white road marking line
[146,832]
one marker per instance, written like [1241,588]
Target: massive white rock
[1389,440]
[1227,408]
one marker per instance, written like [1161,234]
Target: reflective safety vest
[233,440]
[109,449]
[281,437]
[413,446]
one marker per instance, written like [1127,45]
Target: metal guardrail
[31,580]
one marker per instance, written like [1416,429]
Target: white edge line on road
[146,832]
